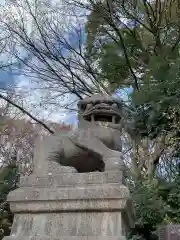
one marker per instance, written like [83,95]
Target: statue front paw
[55,168]
[114,161]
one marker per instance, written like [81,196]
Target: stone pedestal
[71,205]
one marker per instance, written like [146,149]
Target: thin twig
[26,112]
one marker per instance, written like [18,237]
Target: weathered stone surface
[87,210]
[104,191]
[69,224]
[72,179]
[65,238]
[74,205]
[94,146]
[89,223]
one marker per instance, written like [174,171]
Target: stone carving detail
[94,146]
[169,232]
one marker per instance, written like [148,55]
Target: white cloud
[28,88]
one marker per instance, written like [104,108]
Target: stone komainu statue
[94,146]
[56,202]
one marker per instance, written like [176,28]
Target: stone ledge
[70,206]
[104,191]
[66,179]
[64,238]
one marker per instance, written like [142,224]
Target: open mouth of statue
[103,117]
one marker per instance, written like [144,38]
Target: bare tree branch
[26,112]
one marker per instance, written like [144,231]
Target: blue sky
[6,78]
[9,78]
[74,37]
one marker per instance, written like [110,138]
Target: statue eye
[83,107]
[115,105]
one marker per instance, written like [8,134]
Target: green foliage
[174,202]
[156,202]
[9,178]
[113,65]
[150,210]
[159,101]
[93,27]
[171,196]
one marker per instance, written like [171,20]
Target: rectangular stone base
[97,207]
[65,238]
[69,224]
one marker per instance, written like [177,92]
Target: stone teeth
[92,118]
[103,124]
[114,119]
